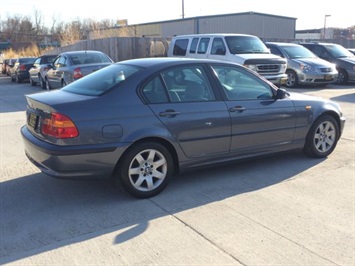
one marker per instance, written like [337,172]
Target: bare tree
[71,33]
[38,21]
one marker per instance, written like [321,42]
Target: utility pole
[183,10]
[325,26]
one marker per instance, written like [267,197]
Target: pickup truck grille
[268,69]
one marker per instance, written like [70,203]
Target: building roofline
[209,16]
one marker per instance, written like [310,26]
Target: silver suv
[303,66]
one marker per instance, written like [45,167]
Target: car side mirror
[281,94]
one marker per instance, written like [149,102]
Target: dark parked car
[40,68]
[337,54]
[71,66]
[141,121]
[303,66]
[19,71]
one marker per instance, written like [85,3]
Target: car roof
[81,52]
[167,61]
[282,44]
[213,35]
[318,43]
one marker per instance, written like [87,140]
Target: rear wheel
[42,83]
[322,137]
[292,79]
[145,169]
[18,79]
[64,83]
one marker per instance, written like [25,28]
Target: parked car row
[306,63]
[303,66]
[56,71]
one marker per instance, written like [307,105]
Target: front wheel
[342,76]
[48,86]
[33,83]
[322,137]
[145,169]
[292,79]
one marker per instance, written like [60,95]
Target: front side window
[60,62]
[218,47]
[240,85]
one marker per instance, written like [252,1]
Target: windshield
[338,51]
[298,52]
[246,45]
[102,80]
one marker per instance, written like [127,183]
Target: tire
[42,83]
[292,79]
[145,169]
[342,76]
[48,86]
[322,137]
[64,83]
[18,79]
[33,83]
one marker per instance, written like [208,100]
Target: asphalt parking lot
[282,210]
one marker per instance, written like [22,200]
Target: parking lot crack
[198,233]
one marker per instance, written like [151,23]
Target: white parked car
[40,68]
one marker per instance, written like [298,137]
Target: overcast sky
[309,14]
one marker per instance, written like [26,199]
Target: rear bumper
[68,162]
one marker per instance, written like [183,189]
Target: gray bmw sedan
[141,121]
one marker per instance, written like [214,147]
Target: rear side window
[180,47]
[193,47]
[203,45]
[89,58]
[102,80]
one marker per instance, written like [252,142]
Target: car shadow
[349,98]
[40,213]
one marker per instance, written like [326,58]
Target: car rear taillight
[59,126]
[22,67]
[77,73]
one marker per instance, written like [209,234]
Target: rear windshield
[89,58]
[102,80]
[30,60]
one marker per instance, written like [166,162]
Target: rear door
[187,106]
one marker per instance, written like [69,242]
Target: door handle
[237,109]
[169,113]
